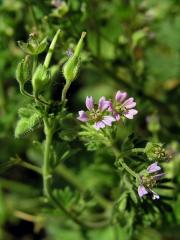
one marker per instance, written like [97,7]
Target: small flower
[142,191]
[97,113]
[56,3]
[69,52]
[147,181]
[123,106]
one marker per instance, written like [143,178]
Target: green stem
[46,168]
[64,91]
[137,150]
[40,100]
[23,92]
[30,166]
[47,183]
[119,155]
[121,161]
[127,168]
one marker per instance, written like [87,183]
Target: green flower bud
[33,46]
[155,151]
[40,79]
[23,71]
[71,67]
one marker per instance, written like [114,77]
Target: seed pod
[41,78]
[155,151]
[71,67]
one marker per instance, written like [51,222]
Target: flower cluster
[148,181]
[108,111]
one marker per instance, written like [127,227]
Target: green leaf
[26,125]
[65,196]
[42,46]
[133,196]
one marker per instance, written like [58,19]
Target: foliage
[62,178]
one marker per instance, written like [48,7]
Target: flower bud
[71,67]
[40,79]
[155,152]
[23,71]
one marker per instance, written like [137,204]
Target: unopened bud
[71,67]
[40,79]
[23,71]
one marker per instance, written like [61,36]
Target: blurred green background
[131,45]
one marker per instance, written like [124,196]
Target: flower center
[120,109]
[148,181]
[95,115]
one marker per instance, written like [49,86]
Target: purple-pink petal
[142,191]
[159,176]
[130,105]
[108,120]
[130,113]
[103,104]
[89,103]
[117,116]
[128,101]
[120,96]
[82,116]
[153,168]
[110,107]
[99,125]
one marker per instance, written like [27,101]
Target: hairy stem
[46,168]
[40,100]
[137,150]
[118,155]
[64,91]
[23,92]
[47,183]
[127,168]
[29,166]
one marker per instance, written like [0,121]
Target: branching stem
[119,155]
[47,175]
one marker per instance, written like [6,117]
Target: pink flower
[123,106]
[97,114]
[148,181]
